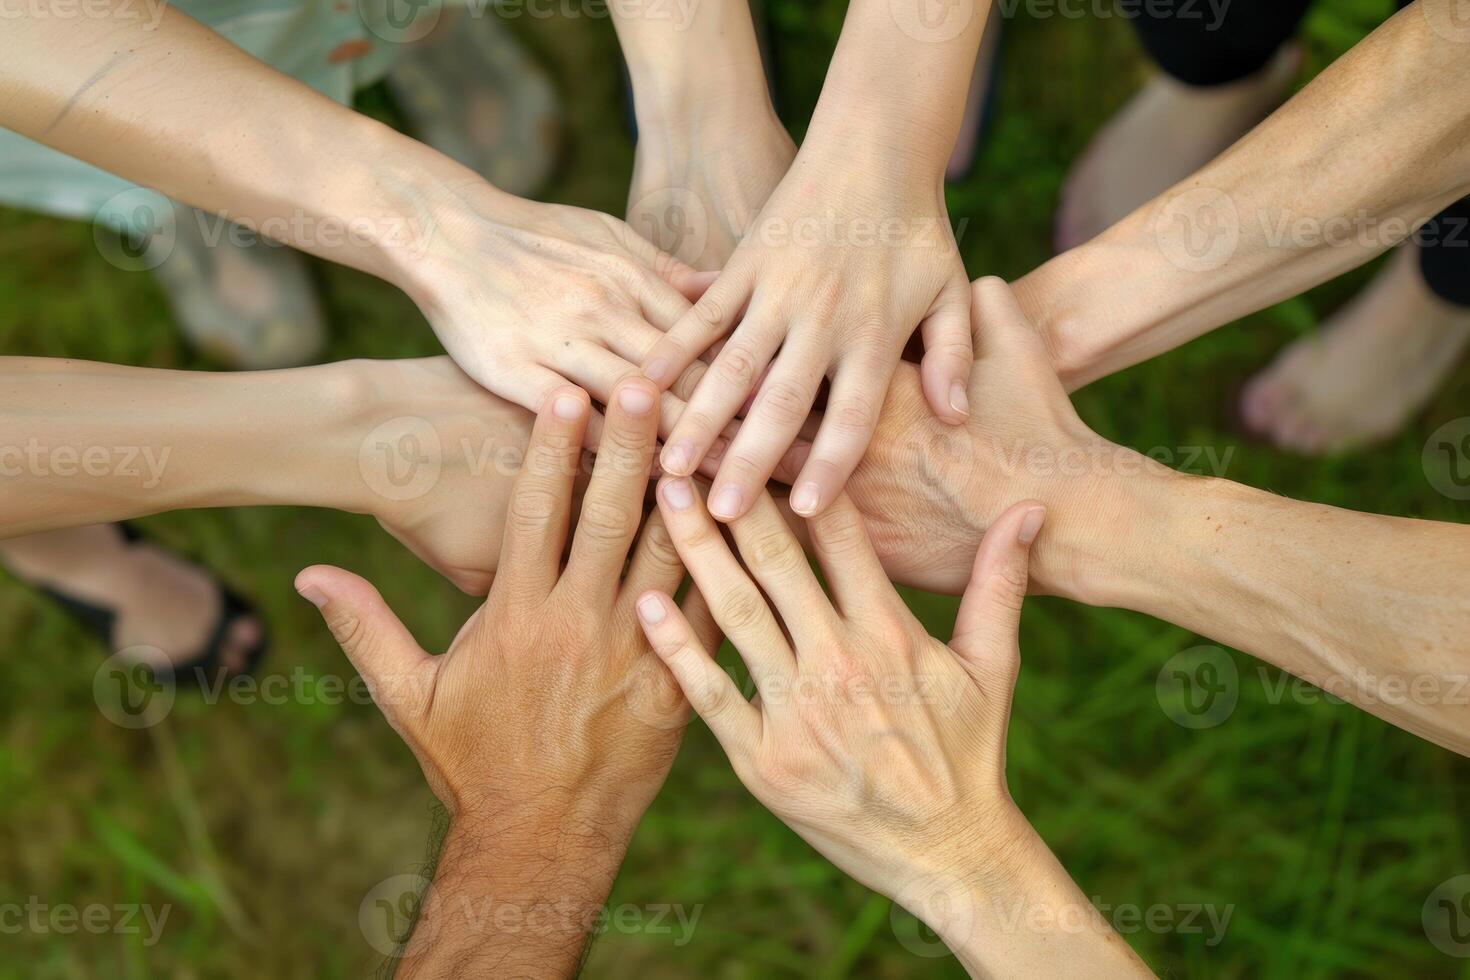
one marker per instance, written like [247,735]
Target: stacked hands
[549,725]
[746,325]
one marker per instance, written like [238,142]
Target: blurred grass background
[264,826]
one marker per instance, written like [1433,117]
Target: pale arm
[898,82]
[1374,146]
[525,296]
[180,109]
[415,443]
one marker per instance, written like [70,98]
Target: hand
[546,689]
[527,296]
[548,727]
[837,272]
[698,187]
[882,747]
[433,456]
[928,491]
[879,745]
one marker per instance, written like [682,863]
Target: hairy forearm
[896,89]
[178,108]
[1371,609]
[517,893]
[1375,145]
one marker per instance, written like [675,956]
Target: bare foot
[1165,133]
[1366,371]
[161,601]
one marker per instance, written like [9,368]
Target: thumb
[985,632]
[948,355]
[392,663]
[1001,326]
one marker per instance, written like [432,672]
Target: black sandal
[205,668]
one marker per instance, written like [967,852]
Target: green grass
[263,826]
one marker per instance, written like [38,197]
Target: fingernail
[657,369]
[651,610]
[678,458]
[726,502]
[635,399]
[313,595]
[678,494]
[567,407]
[805,498]
[958,399]
[1031,525]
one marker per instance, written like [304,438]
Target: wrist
[314,467]
[413,204]
[1108,539]
[1089,309]
[671,99]
[961,888]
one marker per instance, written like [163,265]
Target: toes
[1298,433]
[242,636]
[1262,402]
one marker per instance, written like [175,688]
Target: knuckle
[839,533]
[530,509]
[689,380]
[348,630]
[551,453]
[709,312]
[956,350]
[742,468]
[736,366]
[602,521]
[709,699]
[658,544]
[1008,587]
[743,609]
[785,402]
[776,551]
[625,445]
[854,415]
[698,422]
[869,327]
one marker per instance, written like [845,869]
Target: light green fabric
[335,46]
